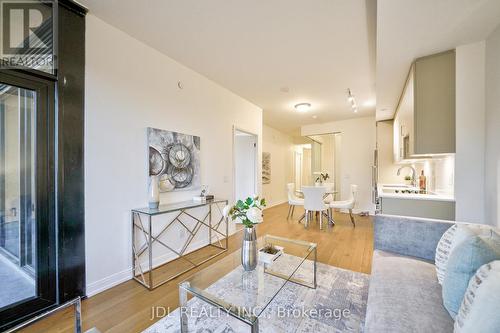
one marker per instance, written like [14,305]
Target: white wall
[356,155]
[128,87]
[281,147]
[387,170]
[245,163]
[492,160]
[470,133]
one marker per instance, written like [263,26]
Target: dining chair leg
[352,218]
[293,210]
[321,221]
[306,223]
[289,211]
[330,217]
[302,217]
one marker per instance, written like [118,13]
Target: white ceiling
[408,29]
[316,49]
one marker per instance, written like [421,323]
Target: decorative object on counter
[423,182]
[270,253]
[175,159]
[154,192]
[408,180]
[323,177]
[204,196]
[266,168]
[248,213]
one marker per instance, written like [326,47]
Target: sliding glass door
[27,233]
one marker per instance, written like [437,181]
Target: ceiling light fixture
[352,100]
[302,107]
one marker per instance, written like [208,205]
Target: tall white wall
[470,133]
[356,155]
[387,170]
[492,161]
[129,87]
[280,145]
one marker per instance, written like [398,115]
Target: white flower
[254,214]
[225,210]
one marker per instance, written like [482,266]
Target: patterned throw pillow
[479,309]
[443,251]
[465,259]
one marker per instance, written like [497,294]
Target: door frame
[257,159]
[46,285]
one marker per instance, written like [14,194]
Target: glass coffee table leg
[183,298]
[254,328]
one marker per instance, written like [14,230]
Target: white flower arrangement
[248,212]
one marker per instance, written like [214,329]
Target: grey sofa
[404,294]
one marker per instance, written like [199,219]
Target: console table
[143,239]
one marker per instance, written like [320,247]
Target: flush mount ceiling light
[302,107]
[352,100]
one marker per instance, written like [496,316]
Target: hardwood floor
[127,307]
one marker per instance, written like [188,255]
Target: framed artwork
[175,159]
[266,168]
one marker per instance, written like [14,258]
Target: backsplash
[440,173]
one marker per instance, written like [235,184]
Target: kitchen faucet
[413,174]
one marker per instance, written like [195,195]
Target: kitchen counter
[429,205]
[388,191]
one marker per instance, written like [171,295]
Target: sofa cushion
[479,309]
[404,296]
[464,261]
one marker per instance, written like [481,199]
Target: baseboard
[115,279]
[272,204]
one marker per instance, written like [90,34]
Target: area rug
[338,304]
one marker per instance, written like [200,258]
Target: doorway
[245,164]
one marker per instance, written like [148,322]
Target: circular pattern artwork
[156,162]
[179,155]
[175,158]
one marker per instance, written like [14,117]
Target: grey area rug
[295,309]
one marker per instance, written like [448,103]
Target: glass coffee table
[246,295]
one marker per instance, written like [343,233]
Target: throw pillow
[450,239]
[464,261]
[479,309]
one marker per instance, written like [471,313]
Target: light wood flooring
[127,307]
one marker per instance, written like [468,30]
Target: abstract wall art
[266,168]
[175,158]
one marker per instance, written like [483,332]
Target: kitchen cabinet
[424,123]
[432,209]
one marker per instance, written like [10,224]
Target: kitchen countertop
[413,196]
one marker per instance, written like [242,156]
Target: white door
[245,163]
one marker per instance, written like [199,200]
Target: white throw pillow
[479,309]
[451,238]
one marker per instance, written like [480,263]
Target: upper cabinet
[424,123]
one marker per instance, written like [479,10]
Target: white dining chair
[330,188]
[293,200]
[345,204]
[314,202]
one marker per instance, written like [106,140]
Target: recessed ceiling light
[302,107]
[315,116]
[369,103]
